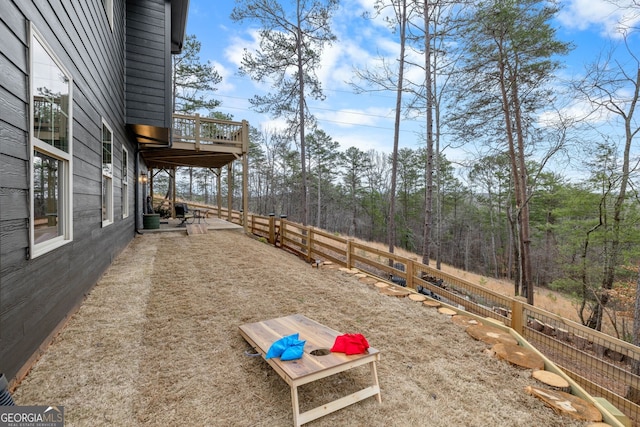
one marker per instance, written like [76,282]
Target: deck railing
[599,363]
[203,131]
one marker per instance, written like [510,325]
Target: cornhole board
[310,367]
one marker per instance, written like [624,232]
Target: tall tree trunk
[549,247]
[632,393]
[429,113]
[595,321]
[439,179]
[391,225]
[514,253]
[506,110]
[494,255]
[206,187]
[354,212]
[525,238]
[303,157]
[636,315]
[172,174]
[436,163]
[513,127]
[319,199]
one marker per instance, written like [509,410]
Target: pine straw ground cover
[157,343]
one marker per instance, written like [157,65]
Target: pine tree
[510,57]
[194,81]
[291,42]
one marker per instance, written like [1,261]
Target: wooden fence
[599,363]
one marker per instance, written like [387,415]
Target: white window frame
[65,177]
[125,183]
[108,8]
[106,201]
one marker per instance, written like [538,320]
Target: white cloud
[234,52]
[602,14]
[554,118]
[226,84]
[340,60]
[236,46]
[270,125]
[332,66]
[350,117]
[362,141]
[360,44]
[380,17]
[578,112]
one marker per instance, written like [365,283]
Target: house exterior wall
[148,68]
[38,293]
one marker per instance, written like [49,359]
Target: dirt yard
[157,343]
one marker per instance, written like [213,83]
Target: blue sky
[366,120]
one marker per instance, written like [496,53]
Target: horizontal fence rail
[603,365]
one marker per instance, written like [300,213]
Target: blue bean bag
[287,348]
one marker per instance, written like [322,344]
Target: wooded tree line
[491,84]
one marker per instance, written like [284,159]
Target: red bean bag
[350,344]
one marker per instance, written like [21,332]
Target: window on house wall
[125,183]
[108,8]
[51,218]
[107,174]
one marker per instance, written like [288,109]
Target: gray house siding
[148,68]
[37,295]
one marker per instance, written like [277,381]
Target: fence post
[517,309]
[283,229]
[272,228]
[349,249]
[309,237]
[409,272]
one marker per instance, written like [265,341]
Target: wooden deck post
[219,192]
[245,172]
[229,192]
[172,173]
[349,249]
[150,189]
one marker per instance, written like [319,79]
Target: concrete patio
[176,225]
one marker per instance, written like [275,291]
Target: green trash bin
[151,221]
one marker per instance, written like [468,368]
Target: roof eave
[179,10]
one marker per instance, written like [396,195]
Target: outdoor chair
[182,212]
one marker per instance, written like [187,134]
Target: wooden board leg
[374,375]
[295,405]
